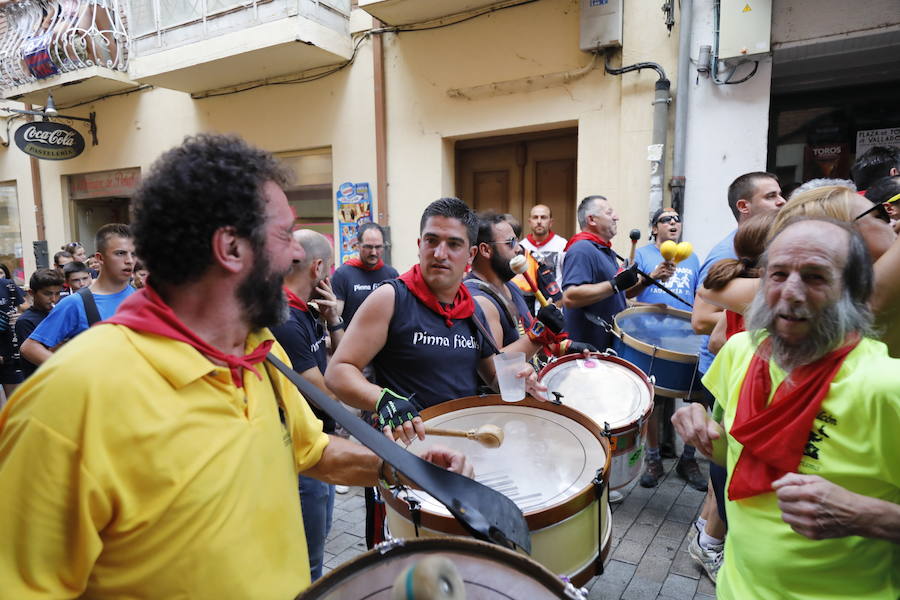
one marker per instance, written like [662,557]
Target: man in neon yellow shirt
[172,472]
[811,407]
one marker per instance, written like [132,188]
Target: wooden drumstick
[489,436]
[519,265]
[432,578]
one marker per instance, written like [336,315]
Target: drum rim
[614,431]
[402,547]
[536,519]
[648,349]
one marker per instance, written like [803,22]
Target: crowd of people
[190,458]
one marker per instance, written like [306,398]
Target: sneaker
[708,558]
[653,472]
[615,497]
[689,470]
[342,489]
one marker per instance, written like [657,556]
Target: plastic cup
[507,364]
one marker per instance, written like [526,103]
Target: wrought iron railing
[43,38]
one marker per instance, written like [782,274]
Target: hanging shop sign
[49,141]
[354,207]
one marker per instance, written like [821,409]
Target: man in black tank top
[418,331]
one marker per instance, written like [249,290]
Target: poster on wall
[877,137]
[354,207]
[826,160]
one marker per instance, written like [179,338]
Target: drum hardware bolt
[415,512]
[610,352]
[557,398]
[599,485]
[388,545]
[607,433]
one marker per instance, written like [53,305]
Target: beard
[260,295]
[830,328]
[501,267]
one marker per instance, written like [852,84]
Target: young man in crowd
[44,286]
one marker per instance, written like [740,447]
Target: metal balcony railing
[43,38]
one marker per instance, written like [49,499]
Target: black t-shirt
[11,296]
[27,322]
[303,338]
[353,285]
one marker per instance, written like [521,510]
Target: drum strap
[488,289]
[485,513]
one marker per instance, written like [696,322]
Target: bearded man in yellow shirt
[172,472]
[810,406]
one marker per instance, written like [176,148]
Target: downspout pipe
[657,150]
[383,215]
[683,86]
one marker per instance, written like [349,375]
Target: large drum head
[546,458]
[607,389]
[665,328]
[488,572]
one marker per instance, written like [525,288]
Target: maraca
[682,251]
[668,249]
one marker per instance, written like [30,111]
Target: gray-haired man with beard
[811,407]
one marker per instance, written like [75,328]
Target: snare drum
[610,391]
[553,464]
[662,343]
[487,571]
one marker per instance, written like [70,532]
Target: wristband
[541,335]
[339,325]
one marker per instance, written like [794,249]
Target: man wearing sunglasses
[886,192]
[358,277]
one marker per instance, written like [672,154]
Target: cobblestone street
[649,557]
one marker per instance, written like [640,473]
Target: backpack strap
[90,305]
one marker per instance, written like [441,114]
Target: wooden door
[513,173]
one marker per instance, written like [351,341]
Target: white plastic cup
[507,364]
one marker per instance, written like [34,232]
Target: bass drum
[553,464]
[611,391]
[488,572]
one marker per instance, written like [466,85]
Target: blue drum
[660,341]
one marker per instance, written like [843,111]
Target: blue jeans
[317,504]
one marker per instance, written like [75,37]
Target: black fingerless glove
[573,347]
[625,279]
[552,318]
[394,410]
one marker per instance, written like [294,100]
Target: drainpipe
[657,149]
[683,86]
[383,218]
[37,191]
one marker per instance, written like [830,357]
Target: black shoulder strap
[90,305]
[485,333]
[488,289]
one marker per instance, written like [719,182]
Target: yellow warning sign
[747,8]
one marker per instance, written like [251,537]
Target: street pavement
[649,556]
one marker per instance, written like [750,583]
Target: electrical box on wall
[745,28]
[601,24]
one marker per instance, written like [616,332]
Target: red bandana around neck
[774,436]
[587,235]
[145,311]
[295,301]
[538,244]
[355,262]
[463,306]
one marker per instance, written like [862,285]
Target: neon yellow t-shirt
[132,467]
[855,443]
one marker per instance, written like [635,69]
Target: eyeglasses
[669,219]
[370,247]
[880,210]
[511,243]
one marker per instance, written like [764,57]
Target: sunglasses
[511,243]
[370,247]
[669,219]
[880,210]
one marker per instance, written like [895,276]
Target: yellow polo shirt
[132,467]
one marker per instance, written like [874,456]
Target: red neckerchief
[463,306]
[538,244]
[355,262]
[145,311]
[774,436]
[295,301]
[587,235]
[734,323]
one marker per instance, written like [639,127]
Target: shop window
[310,194]
[11,231]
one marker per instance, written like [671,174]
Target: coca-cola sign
[49,141]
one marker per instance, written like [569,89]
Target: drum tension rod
[415,512]
[557,398]
[599,485]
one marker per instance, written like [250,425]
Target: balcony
[202,45]
[404,12]
[78,49]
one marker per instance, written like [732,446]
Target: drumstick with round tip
[432,578]
[635,235]
[519,265]
[489,436]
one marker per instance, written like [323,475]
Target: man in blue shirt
[45,286]
[358,277]
[592,280]
[115,251]
[303,337]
